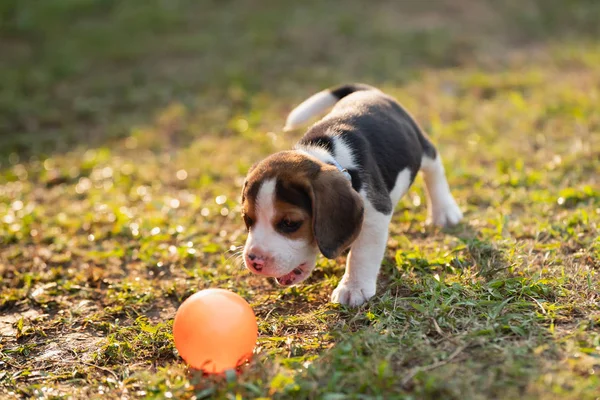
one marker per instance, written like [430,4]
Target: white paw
[353,294]
[446,214]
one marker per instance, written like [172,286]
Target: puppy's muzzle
[256,260]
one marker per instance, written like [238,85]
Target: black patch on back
[292,194]
[343,91]
[384,140]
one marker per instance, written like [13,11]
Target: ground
[127,128]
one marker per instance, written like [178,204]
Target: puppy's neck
[323,155]
[318,152]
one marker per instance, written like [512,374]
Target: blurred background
[86,71]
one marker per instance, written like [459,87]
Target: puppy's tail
[319,102]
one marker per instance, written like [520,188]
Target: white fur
[314,105]
[442,208]
[401,186]
[262,230]
[282,254]
[317,152]
[359,282]
[343,153]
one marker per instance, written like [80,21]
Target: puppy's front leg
[366,254]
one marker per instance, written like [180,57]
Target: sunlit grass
[122,163]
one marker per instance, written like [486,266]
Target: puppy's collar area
[324,156]
[340,168]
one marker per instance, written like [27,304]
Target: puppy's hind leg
[442,208]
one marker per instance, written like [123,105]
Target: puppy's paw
[353,294]
[445,214]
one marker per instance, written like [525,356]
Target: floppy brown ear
[337,212]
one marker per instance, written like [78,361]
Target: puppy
[337,189]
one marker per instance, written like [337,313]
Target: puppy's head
[293,206]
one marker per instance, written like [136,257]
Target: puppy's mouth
[297,275]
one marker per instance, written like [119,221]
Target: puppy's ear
[337,212]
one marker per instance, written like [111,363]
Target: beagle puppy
[337,189]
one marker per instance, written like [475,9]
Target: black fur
[293,195]
[383,137]
[319,140]
[356,181]
[343,91]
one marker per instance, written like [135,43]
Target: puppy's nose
[256,260]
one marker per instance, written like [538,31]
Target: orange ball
[215,330]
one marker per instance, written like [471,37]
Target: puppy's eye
[288,226]
[248,221]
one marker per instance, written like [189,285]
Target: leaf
[335,396]
[205,394]
[518,330]
[280,381]
[210,248]
[20,324]
[383,368]
[498,309]
[418,307]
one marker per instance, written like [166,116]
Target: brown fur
[294,213]
[336,210]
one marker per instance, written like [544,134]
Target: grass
[126,130]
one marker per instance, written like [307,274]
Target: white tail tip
[314,105]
